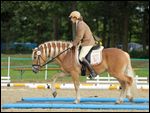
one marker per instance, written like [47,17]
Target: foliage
[139,54]
[116,22]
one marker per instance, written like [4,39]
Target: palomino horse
[115,61]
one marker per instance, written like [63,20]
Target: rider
[83,36]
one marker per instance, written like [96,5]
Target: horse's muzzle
[35,68]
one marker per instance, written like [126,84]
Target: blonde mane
[53,48]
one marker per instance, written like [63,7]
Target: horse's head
[45,51]
[38,59]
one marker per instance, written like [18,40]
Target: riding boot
[90,68]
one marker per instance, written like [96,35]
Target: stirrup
[91,76]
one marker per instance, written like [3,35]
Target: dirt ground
[11,95]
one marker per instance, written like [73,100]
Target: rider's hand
[70,46]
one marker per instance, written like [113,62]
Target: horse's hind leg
[55,77]
[122,93]
[125,82]
[129,95]
[130,84]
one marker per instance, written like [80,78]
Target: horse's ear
[34,49]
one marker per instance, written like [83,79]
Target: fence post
[108,77]
[8,74]
[136,77]
[46,72]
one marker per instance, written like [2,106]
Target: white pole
[8,67]
[108,77]
[46,72]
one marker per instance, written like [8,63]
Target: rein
[55,57]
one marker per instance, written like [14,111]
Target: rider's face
[73,19]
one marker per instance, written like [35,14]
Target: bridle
[39,56]
[38,60]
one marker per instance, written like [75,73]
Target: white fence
[106,80]
[96,83]
[6,79]
[141,82]
[8,72]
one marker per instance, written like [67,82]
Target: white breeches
[84,52]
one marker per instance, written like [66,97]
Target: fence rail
[49,66]
[112,80]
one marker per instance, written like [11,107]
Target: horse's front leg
[55,77]
[75,78]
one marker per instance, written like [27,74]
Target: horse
[115,61]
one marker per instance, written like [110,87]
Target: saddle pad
[96,56]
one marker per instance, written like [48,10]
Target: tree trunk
[7,37]
[73,30]
[74,6]
[144,30]
[104,31]
[114,32]
[55,28]
[39,34]
[109,34]
[125,26]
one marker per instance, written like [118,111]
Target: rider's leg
[90,68]
[83,53]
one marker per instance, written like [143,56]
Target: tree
[115,22]
[145,27]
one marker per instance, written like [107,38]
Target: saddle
[94,57]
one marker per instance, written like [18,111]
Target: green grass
[29,76]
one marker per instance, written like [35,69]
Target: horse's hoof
[76,102]
[54,94]
[119,102]
[130,98]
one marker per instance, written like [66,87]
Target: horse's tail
[131,75]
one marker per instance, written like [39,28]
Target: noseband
[38,63]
